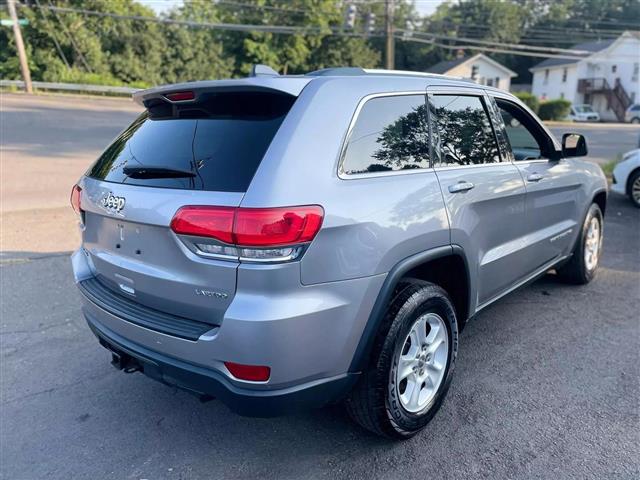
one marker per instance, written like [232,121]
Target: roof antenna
[259,70]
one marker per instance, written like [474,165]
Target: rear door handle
[534,177]
[461,187]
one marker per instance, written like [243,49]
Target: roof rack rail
[357,71]
[337,71]
[259,70]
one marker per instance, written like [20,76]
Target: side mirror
[574,145]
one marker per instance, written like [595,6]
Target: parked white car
[583,113]
[626,176]
[632,115]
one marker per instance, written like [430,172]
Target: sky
[425,7]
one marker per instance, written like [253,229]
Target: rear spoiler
[189,91]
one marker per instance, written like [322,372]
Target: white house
[479,68]
[608,78]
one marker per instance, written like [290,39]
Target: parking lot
[546,386]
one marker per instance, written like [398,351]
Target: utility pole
[390,40]
[22,55]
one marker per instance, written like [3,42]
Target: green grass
[608,167]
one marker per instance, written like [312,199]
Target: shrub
[529,99]
[554,109]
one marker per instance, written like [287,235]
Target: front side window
[526,139]
[464,130]
[390,134]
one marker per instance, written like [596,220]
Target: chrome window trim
[345,142]
[479,165]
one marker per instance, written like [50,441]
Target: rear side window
[465,133]
[390,134]
[217,142]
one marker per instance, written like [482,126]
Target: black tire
[374,402]
[576,271]
[633,178]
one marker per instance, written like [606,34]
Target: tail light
[75,199]
[252,373]
[254,234]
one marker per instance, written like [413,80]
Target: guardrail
[71,87]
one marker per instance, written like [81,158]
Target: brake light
[269,227]
[213,222]
[253,234]
[180,96]
[252,373]
[75,199]
[250,227]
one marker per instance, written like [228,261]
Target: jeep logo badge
[113,203]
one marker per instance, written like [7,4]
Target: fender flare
[365,345]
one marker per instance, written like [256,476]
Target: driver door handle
[461,187]
[535,177]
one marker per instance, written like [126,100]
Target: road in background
[546,386]
[605,141]
[49,141]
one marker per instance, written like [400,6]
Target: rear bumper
[207,382]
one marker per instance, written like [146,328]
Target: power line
[470,43]
[506,45]
[53,37]
[68,33]
[263,7]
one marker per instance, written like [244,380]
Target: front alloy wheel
[583,265]
[592,244]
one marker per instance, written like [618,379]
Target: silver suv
[282,242]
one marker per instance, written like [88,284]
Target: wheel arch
[417,266]
[600,198]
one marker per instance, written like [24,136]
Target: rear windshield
[219,142]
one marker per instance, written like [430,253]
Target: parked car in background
[282,242]
[583,113]
[632,114]
[626,176]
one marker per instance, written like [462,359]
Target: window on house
[564,75]
[489,82]
[546,76]
[562,95]
[474,72]
[614,68]
[496,82]
[636,71]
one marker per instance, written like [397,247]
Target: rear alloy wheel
[421,363]
[582,266]
[634,188]
[411,364]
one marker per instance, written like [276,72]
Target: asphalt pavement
[547,384]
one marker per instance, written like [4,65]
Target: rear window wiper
[157,172]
